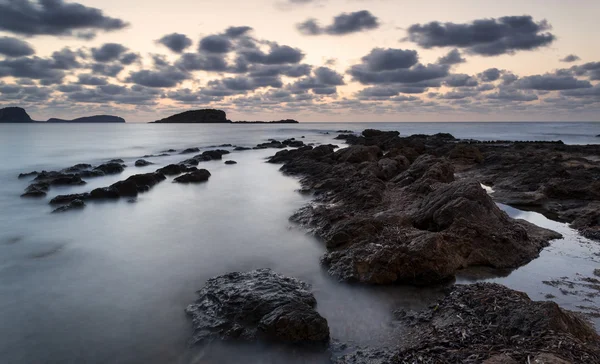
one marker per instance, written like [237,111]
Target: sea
[109,283]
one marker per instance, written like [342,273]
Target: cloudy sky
[313,60]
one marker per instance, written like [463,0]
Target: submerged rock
[199,175]
[142,163]
[174,169]
[230,162]
[257,305]
[73,205]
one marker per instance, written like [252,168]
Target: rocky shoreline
[399,210]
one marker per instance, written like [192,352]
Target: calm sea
[109,284]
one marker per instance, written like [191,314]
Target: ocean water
[110,283]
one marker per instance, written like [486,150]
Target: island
[14,115]
[212,116]
[19,115]
[204,116]
[90,119]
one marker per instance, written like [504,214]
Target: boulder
[142,163]
[359,154]
[257,305]
[230,162]
[190,150]
[200,175]
[112,167]
[174,169]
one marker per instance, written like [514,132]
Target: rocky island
[90,119]
[14,115]
[19,115]
[212,116]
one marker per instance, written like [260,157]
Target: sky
[311,60]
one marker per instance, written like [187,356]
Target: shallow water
[110,283]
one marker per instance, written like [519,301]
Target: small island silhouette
[202,116]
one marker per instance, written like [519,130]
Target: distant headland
[203,116]
[19,115]
[212,116]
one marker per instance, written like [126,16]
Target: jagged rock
[200,175]
[174,169]
[358,154]
[73,205]
[190,150]
[28,174]
[112,167]
[142,163]
[257,305]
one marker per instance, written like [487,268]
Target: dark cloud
[460,80]
[322,82]
[294,71]
[327,76]
[13,47]
[129,58]
[215,44]
[590,70]
[110,70]
[487,37]
[570,58]
[381,59]
[592,92]
[91,80]
[54,17]
[278,54]
[490,75]
[168,76]
[453,57]
[235,32]
[32,67]
[343,24]
[512,95]
[25,94]
[176,42]
[201,62]
[550,82]
[364,73]
[108,52]
[69,88]
[134,95]
[67,59]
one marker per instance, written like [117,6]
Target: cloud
[66,59]
[570,58]
[490,75]
[512,95]
[345,23]
[215,44]
[584,92]
[111,70]
[590,70]
[460,80]
[55,17]
[13,47]
[175,42]
[129,58]
[134,95]
[108,52]
[453,57]
[235,32]
[167,76]
[380,59]
[200,62]
[277,55]
[32,67]
[91,80]
[550,82]
[486,37]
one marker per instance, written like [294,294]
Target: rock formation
[207,116]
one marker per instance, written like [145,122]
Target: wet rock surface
[73,205]
[199,175]
[142,163]
[230,162]
[489,323]
[390,212]
[257,305]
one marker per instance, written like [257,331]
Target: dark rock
[214,154]
[283,121]
[230,162]
[36,190]
[113,167]
[271,144]
[174,169]
[169,151]
[484,320]
[142,163]
[241,148]
[358,154]
[257,305]
[14,115]
[66,199]
[116,160]
[466,153]
[73,205]
[197,116]
[293,143]
[28,174]
[344,131]
[200,175]
[77,168]
[190,150]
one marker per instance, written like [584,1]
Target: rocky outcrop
[230,162]
[385,219]
[197,116]
[199,175]
[142,163]
[130,187]
[14,115]
[489,323]
[90,119]
[73,205]
[175,169]
[257,305]
[284,121]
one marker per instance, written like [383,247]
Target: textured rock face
[197,116]
[257,305]
[488,323]
[385,219]
[200,175]
[14,115]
